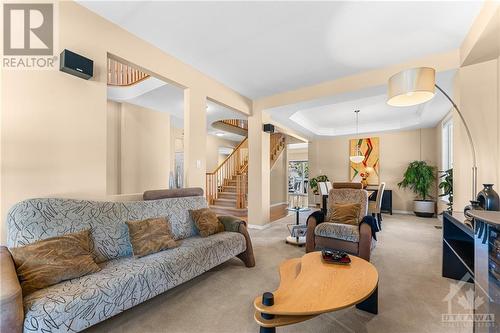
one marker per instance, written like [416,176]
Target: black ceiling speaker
[75,64]
[269,128]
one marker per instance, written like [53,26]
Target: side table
[297,239]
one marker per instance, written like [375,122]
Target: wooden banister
[120,74]
[232,168]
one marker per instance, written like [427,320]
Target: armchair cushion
[345,213]
[341,231]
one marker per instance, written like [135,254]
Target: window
[298,176]
[447,148]
[447,145]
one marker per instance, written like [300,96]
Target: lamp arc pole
[471,142]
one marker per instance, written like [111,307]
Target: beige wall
[297,154]
[145,149]
[57,146]
[113,147]
[139,149]
[478,88]
[397,149]
[279,180]
[213,145]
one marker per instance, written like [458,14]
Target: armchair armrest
[11,297]
[365,241]
[235,224]
[312,222]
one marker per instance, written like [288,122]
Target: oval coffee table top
[308,286]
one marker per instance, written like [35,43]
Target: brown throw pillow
[345,213]
[206,221]
[52,260]
[150,236]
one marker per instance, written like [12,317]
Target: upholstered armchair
[353,239]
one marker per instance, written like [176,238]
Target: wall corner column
[258,169]
[195,135]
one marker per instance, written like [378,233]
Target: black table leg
[371,303]
[267,329]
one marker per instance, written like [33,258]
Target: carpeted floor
[411,289]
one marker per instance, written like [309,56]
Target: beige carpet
[411,289]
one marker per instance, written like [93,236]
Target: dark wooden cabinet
[387,202]
[386,206]
[458,247]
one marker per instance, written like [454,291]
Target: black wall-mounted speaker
[75,64]
[269,128]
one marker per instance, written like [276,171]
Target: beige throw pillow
[150,236]
[345,213]
[206,221]
[52,260]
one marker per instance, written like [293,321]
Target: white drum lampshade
[411,87]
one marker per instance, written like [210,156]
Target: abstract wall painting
[367,171]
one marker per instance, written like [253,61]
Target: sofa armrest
[231,223]
[310,240]
[365,241]
[11,297]
[235,224]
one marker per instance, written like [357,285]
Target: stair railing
[276,147]
[120,74]
[230,168]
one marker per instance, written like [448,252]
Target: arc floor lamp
[416,86]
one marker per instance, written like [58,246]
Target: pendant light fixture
[358,156]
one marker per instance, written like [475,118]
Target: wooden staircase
[278,144]
[227,185]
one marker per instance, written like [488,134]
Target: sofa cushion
[150,236]
[123,283]
[35,219]
[341,231]
[206,221]
[53,260]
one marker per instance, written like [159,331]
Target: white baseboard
[403,212]
[258,226]
[279,204]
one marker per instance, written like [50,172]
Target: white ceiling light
[357,157]
[219,134]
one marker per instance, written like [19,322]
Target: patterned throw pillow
[150,236]
[52,260]
[345,213]
[206,221]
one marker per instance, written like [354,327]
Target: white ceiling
[334,115]
[263,48]
[157,95]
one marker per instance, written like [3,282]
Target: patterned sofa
[123,281]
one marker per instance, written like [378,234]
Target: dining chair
[374,207]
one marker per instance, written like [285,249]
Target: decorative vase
[488,199]
[364,182]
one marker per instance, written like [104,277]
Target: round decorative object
[474,205]
[488,199]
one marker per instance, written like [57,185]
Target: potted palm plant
[419,177]
[446,185]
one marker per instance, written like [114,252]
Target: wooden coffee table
[309,287]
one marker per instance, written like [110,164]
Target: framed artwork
[367,171]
